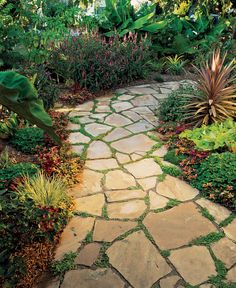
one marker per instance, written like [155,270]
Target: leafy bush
[216,178]
[171,108]
[5,159]
[96,64]
[58,268]
[175,65]
[174,158]
[212,137]
[27,140]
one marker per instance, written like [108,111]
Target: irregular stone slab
[125,97]
[116,134]
[121,106]
[109,230]
[77,138]
[141,126]
[231,275]
[86,278]
[126,210]
[141,90]
[145,100]
[132,115]
[175,188]
[144,168]
[75,232]
[136,157]
[77,149]
[88,255]
[96,129]
[138,253]
[165,90]
[157,201]
[161,152]
[91,184]
[169,282]
[121,91]
[118,179]
[98,150]
[99,116]
[123,158]
[102,164]
[47,281]
[85,120]
[72,127]
[136,143]
[117,120]
[148,183]
[102,109]
[121,195]
[230,230]
[151,118]
[91,204]
[194,264]
[78,113]
[225,250]
[219,212]
[178,226]
[88,106]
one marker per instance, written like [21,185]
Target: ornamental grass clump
[217,100]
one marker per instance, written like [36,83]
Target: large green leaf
[18,94]
[155,27]
[139,23]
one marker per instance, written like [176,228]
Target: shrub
[26,140]
[175,65]
[212,137]
[216,178]
[97,64]
[171,108]
[174,158]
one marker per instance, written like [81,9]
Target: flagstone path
[136,227]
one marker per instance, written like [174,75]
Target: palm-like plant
[217,100]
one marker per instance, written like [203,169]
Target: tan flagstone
[116,134]
[77,149]
[88,255]
[148,183]
[141,126]
[109,230]
[126,210]
[178,226]
[145,100]
[160,152]
[73,126]
[102,164]
[194,264]
[123,158]
[77,137]
[138,260]
[125,97]
[132,115]
[122,106]
[117,120]
[98,150]
[141,90]
[121,195]
[169,282]
[86,278]
[96,129]
[231,275]
[102,109]
[157,201]
[92,204]
[230,230]
[175,188]
[118,179]
[144,168]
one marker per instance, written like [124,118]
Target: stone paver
[138,260]
[86,278]
[109,230]
[122,189]
[194,264]
[178,226]
[176,189]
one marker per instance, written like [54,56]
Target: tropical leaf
[155,27]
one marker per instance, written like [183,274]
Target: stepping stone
[161,152]
[194,264]
[178,226]
[90,204]
[230,230]
[148,183]
[102,109]
[88,255]
[72,127]
[141,126]
[118,179]
[116,134]
[177,189]
[165,91]
[99,116]
[102,164]
[225,250]
[157,201]
[77,137]
[151,119]
[126,210]
[121,91]
[122,158]
[138,253]
[219,212]
[98,150]
[48,281]
[136,157]
[77,149]
[125,97]
[91,184]
[144,168]
[145,100]
[85,120]
[121,195]
[231,275]
[117,120]
[86,278]
[136,143]
[169,282]
[109,230]
[143,111]
[87,107]
[96,129]
[141,90]
[78,113]
[132,115]
[122,106]
[75,232]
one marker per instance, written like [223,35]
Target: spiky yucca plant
[217,100]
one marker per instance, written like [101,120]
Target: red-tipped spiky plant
[217,100]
